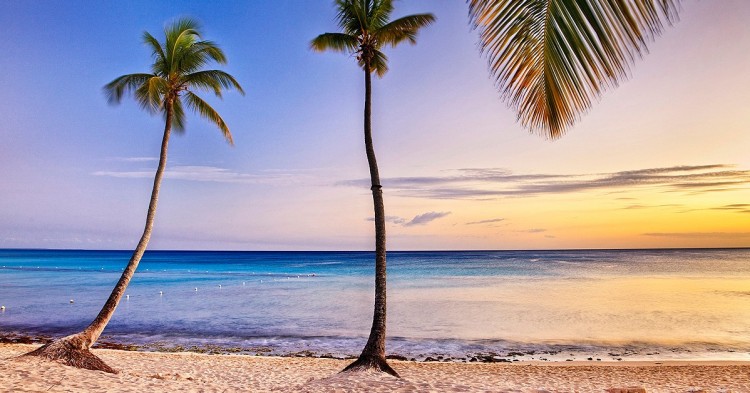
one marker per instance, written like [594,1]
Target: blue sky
[77,172]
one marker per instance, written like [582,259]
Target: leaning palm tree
[175,74]
[366,29]
[551,58]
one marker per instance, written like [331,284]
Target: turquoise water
[550,304]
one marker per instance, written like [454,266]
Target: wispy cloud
[533,230]
[419,219]
[425,218]
[701,235]
[136,159]
[735,207]
[212,174]
[490,183]
[490,221]
[636,207]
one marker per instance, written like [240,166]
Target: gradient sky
[662,161]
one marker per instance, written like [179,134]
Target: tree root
[71,351]
[368,362]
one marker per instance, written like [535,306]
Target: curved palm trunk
[373,355]
[73,350]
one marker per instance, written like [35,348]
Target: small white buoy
[219,285]
[161,293]
[196,289]
[127,297]
[71,301]
[2,308]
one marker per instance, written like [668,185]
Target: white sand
[189,372]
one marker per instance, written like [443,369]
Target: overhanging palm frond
[403,29]
[196,104]
[338,42]
[550,58]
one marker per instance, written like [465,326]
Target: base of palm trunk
[367,362]
[71,351]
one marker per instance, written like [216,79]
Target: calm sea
[557,305]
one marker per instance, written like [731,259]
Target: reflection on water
[439,302]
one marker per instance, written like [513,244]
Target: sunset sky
[661,161]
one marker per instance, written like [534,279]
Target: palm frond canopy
[366,27]
[176,73]
[551,58]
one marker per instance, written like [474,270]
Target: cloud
[693,235]
[425,218]
[534,230]
[735,207]
[485,221]
[136,159]
[492,183]
[635,207]
[420,219]
[211,174]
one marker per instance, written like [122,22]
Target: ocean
[457,305]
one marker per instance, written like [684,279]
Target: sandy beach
[191,372]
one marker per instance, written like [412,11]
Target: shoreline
[569,354]
[185,371]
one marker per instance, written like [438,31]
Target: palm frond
[177,66]
[338,42]
[212,80]
[379,13]
[403,29]
[155,46]
[150,94]
[196,104]
[379,63]
[180,35]
[351,16]
[366,28]
[551,58]
[116,89]
[178,116]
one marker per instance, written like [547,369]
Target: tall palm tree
[366,29]
[175,74]
[551,58]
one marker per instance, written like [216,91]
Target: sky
[660,161]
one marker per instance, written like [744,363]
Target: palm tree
[366,28]
[550,58]
[175,73]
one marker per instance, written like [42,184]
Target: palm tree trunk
[373,355]
[74,349]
